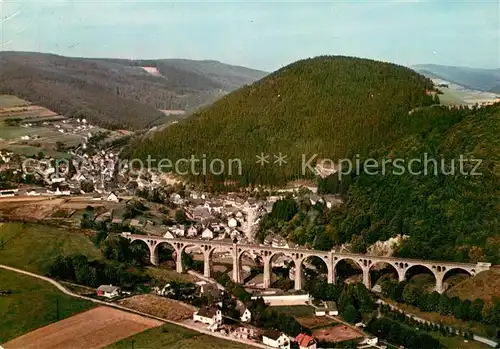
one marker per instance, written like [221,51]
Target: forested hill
[447,216]
[332,106]
[118,93]
[447,213]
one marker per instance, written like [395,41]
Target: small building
[305,341]
[232,222]
[167,290]
[276,339]
[108,291]
[169,235]
[331,308]
[246,316]
[112,198]
[117,220]
[207,234]
[192,231]
[208,315]
[369,341]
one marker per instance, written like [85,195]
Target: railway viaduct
[438,268]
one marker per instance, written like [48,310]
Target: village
[219,317]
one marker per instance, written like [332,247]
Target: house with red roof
[305,341]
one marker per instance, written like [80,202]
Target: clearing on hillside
[92,329]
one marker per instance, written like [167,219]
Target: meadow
[31,304]
[33,247]
[12,101]
[171,336]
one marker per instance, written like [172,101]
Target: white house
[108,291]
[169,235]
[275,339]
[208,315]
[207,234]
[165,291]
[177,230]
[232,223]
[369,341]
[112,198]
[305,341]
[175,198]
[246,316]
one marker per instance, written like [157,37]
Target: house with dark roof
[276,339]
[208,315]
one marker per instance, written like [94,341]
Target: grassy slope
[32,304]
[33,247]
[477,328]
[174,337]
[485,285]
[458,343]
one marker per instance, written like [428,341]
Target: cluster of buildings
[222,217]
[78,127]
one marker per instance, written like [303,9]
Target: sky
[264,35]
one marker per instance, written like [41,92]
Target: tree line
[477,310]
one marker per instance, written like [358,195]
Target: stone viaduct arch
[391,265]
[365,262]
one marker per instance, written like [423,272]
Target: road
[69,293]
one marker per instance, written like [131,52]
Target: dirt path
[69,293]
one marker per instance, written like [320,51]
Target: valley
[219,248]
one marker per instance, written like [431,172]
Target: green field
[295,310]
[458,343]
[33,247]
[8,101]
[32,304]
[175,337]
[451,97]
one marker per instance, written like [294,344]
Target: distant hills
[332,106]
[487,80]
[117,93]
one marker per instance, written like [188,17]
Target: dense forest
[447,216]
[335,107]
[117,93]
